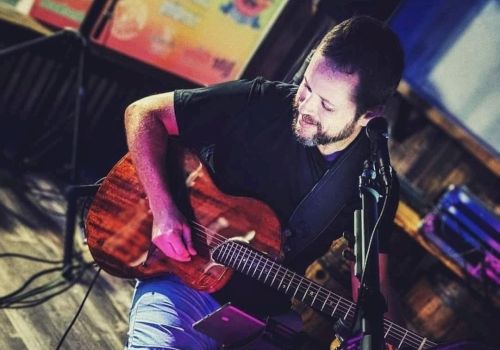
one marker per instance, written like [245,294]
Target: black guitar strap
[321,206]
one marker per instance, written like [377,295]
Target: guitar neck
[257,266]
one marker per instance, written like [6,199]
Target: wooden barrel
[442,307]
[333,272]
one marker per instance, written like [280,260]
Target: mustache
[308,118]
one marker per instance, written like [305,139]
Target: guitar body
[119,222]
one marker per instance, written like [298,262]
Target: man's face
[324,107]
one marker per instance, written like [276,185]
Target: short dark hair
[370,48]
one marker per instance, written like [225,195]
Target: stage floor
[32,216]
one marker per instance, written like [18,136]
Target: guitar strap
[326,200]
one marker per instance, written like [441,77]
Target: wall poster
[204,41]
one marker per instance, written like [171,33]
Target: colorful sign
[60,13]
[205,41]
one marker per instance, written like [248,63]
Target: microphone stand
[371,304]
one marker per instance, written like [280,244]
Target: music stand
[77,38]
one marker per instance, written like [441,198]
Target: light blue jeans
[162,313]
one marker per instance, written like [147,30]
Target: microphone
[376,130]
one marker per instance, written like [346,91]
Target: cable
[33,277]
[29,257]
[66,332]
[369,250]
[28,282]
[35,302]
[372,235]
[39,290]
[86,205]
[19,295]
[17,299]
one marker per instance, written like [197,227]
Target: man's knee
[163,319]
[153,322]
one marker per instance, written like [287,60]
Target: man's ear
[374,112]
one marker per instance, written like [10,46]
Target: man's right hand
[149,123]
[172,235]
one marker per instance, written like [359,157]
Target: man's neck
[338,145]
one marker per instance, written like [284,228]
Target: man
[271,141]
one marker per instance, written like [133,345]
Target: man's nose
[308,105]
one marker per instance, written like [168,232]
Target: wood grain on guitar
[118,226]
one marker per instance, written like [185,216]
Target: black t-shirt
[256,154]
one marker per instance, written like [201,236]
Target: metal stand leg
[78,38]
[72,195]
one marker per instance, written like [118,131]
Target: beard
[321,137]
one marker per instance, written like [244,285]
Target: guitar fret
[422,344]
[275,274]
[347,313]
[248,259]
[221,253]
[336,306]
[324,303]
[249,266]
[317,292]
[282,278]
[249,262]
[267,276]
[228,252]
[233,250]
[263,267]
[253,266]
[402,339]
[257,263]
[289,284]
[241,258]
[388,330]
[306,291]
[297,289]
[225,254]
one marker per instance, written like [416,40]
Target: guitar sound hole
[320,275]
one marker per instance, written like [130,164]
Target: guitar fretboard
[257,266]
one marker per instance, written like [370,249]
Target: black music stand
[73,38]
[77,38]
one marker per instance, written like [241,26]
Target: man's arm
[148,123]
[394,311]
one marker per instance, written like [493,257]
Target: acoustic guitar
[229,233]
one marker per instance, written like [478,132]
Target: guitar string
[394,329]
[345,305]
[398,332]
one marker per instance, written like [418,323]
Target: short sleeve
[203,114]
